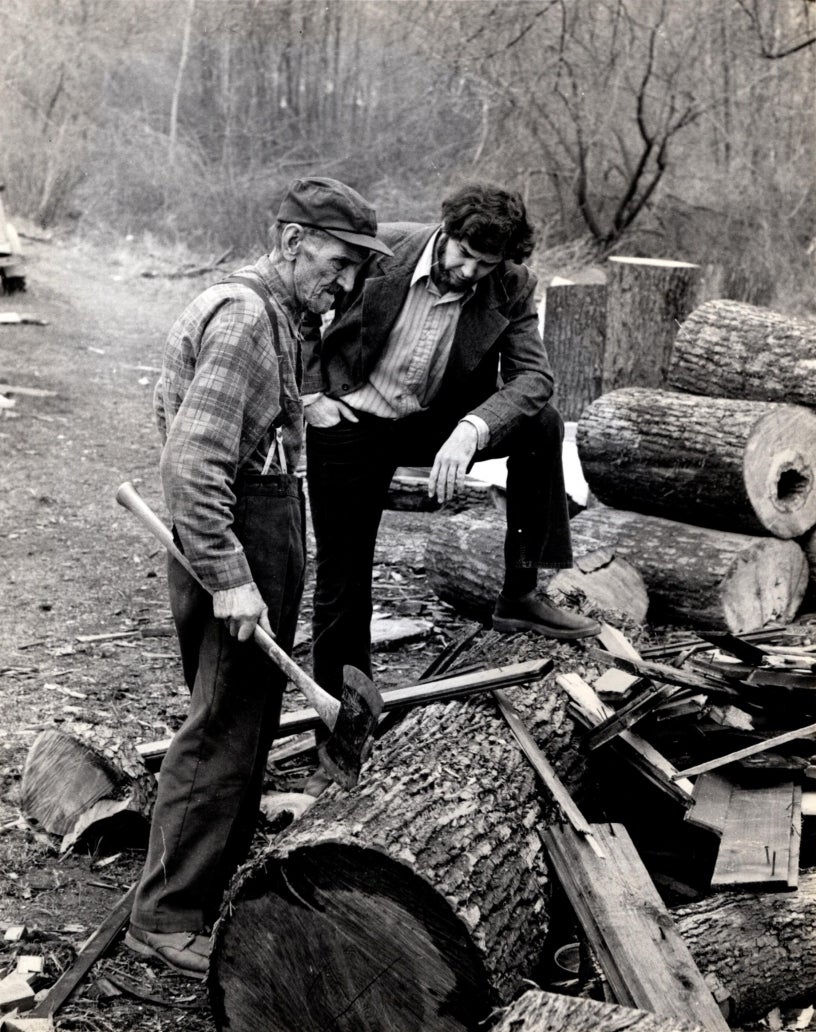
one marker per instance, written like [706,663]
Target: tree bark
[745,466]
[700,577]
[729,349]
[415,901]
[72,782]
[538,1011]
[760,946]
[646,300]
[464,563]
[574,335]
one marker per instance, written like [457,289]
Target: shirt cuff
[481,428]
[310,399]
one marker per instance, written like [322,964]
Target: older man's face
[324,266]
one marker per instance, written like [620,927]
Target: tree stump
[729,349]
[745,466]
[464,564]
[415,901]
[646,300]
[703,578]
[574,335]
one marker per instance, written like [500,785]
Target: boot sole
[505,625]
[144,950]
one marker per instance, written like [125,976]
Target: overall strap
[264,296]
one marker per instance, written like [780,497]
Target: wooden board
[712,797]
[538,1011]
[644,959]
[590,710]
[750,750]
[760,839]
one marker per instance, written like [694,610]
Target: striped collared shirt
[410,368]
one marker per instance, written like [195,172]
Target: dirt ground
[76,564]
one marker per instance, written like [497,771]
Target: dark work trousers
[212,776]
[349,469]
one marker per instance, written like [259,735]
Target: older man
[433,358]
[230,415]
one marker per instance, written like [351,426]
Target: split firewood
[418,899]
[464,567]
[536,1011]
[72,784]
[701,577]
[729,349]
[744,466]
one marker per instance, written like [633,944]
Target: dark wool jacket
[497,334]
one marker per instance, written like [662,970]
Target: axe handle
[326,705]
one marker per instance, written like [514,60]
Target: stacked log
[729,349]
[464,565]
[743,466]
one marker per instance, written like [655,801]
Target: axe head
[348,747]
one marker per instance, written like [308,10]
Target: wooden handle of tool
[326,705]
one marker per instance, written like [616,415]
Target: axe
[351,719]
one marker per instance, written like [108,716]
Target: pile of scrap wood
[489,823]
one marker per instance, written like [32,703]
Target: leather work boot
[529,613]
[185,952]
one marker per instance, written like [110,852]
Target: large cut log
[646,300]
[574,334]
[745,466]
[703,578]
[730,349]
[538,1011]
[464,564]
[413,902]
[760,946]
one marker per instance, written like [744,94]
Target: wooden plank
[744,650]
[538,1011]
[760,839]
[654,766]
[630,930]
[542,766]
[617,643]
[660,672]
[616,682]
[712,797]
[628,715]
[96,946]
[440,690]
[750,750]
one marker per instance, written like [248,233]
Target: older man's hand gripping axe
[352,719]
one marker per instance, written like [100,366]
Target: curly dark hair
[491,219]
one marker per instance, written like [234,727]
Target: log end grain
[780,470]
[343,937]
[764,586]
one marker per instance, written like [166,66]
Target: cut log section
[413,902]
[574,334]
[72,783]
[646,300]
[538,1011]
[464,564]
[744,466]
[761,946]
[729,349]
[700,577]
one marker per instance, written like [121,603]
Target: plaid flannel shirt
[221,389]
